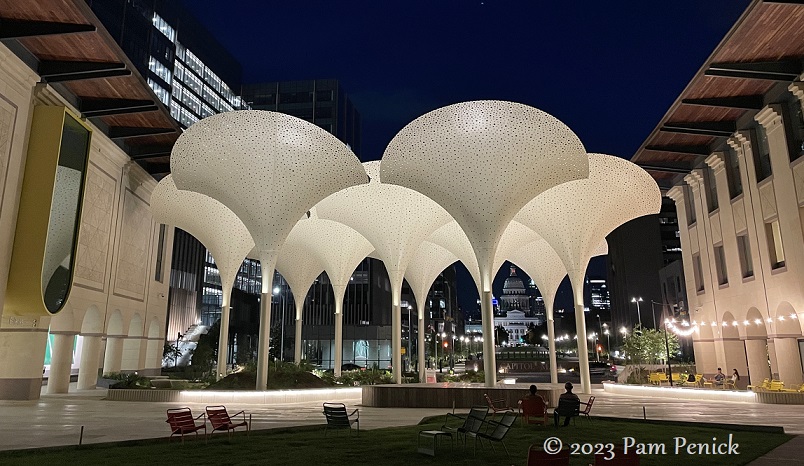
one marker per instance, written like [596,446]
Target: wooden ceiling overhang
[66,44]
[750,68]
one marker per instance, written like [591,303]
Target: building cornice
[768,117]
[717,161]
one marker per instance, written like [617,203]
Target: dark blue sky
[609,70]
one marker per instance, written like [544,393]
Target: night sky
[609,70]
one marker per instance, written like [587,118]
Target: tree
[647,346]
[171,351]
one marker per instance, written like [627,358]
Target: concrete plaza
[56,420]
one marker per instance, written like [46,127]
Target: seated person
[719,377]
[691,378]
[533,394]
[566,398]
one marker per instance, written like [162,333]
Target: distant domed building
[514,296]
[516,315]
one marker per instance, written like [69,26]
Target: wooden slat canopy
[752,66]
[68,46]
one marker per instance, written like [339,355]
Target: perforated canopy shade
[582,213]
[544,267]
[217,228]
[457,155]
[395,220]
[269,169]
[427,264]
[322,245]
[452,238]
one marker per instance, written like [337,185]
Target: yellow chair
[798,389]
[763,386]
[776,386]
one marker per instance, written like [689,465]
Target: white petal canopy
[395,220]
[457,155]
[428,262]
[576,217]
[316,245]
[269,169]
[452,238]
[582,213]
[227,239]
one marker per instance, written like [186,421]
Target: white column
[774,364]
[267,266]
[223,337]
[90,358]
[114,354]
[489,357]
[61,359]
[789,360]
[551,337]
[576,279]
[21,361]
[396,328]
[757,354]
[420,351]
[339,292]
[297,347]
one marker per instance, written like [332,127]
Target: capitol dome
[514,284]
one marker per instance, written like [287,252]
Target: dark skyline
[609,70]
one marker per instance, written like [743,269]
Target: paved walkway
[57,419]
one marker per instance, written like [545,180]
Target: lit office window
[178,90]
[192,102]
[180,51]
[187,118]
[194,63]
[206,111]
[175,110]
[193,82]
[160,70]
[211,97]
[178,71]
[212,79]
[160,91]
[164,27]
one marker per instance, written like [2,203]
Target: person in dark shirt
[533,393]
[566,397]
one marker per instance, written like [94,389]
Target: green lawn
[307,446]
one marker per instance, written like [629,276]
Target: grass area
[307,446]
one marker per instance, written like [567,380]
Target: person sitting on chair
[691,378]
[719,377]
[566,397]
[533,393]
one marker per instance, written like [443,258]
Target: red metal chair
[221,420]
[533,410]
[182,422]
[539,457]
[588,408]
[496,406]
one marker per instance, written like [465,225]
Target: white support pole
[223,338]
[60,362]
[90,359]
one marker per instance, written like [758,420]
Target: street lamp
[608,341]
[667,348]
[639,315]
